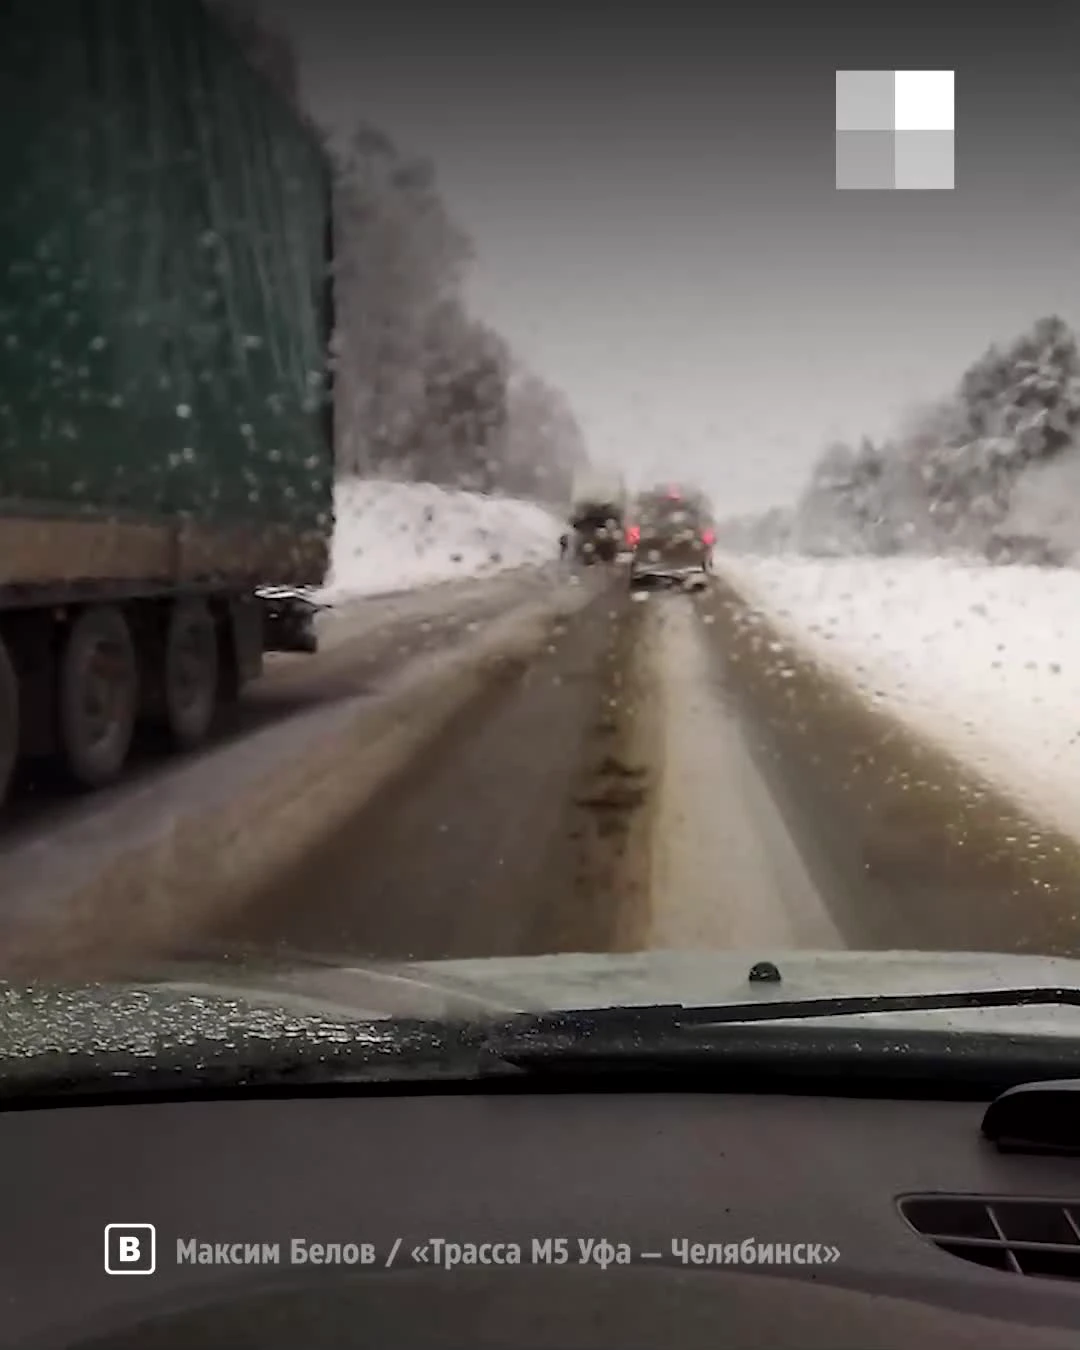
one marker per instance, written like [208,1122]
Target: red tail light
[708,538]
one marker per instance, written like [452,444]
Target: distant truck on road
[598,517]
[166,447]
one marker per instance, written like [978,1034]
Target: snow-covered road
[669,773]
[981,661]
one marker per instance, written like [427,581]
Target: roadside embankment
[915,847]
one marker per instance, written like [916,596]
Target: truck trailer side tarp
[164,304]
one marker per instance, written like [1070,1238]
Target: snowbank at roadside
[983,660]
[395,536]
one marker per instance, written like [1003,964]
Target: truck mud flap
[289,619]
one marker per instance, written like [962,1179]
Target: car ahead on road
[672,537]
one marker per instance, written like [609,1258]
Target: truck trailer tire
[98,696]
[190,673]
[9,720]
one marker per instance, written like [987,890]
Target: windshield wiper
[653,1016]
[776,1046]
[656,1030]
[759,1043]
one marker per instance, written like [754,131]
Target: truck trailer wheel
[9,721]
[191,673]
[98,696]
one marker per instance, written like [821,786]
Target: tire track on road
[727,872]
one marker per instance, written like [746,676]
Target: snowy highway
[605,796]
[651,779]
[535,762]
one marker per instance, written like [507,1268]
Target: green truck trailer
[166,447]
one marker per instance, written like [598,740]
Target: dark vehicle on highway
[597,535]
[672,537]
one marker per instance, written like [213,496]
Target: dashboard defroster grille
[1023,1236]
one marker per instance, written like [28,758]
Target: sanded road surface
[653,781]
[649,773]
[603,797]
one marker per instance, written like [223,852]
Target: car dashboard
[538,1219]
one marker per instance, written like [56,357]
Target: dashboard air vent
[1025,1237]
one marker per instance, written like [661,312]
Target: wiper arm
[875,1003]
[850,1005]
[639,1031]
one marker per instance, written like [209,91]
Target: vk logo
[130,1249]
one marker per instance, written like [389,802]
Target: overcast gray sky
[651,193]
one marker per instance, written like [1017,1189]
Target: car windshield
[496,517]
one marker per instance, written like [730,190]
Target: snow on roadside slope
[394,536]
[984,661]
